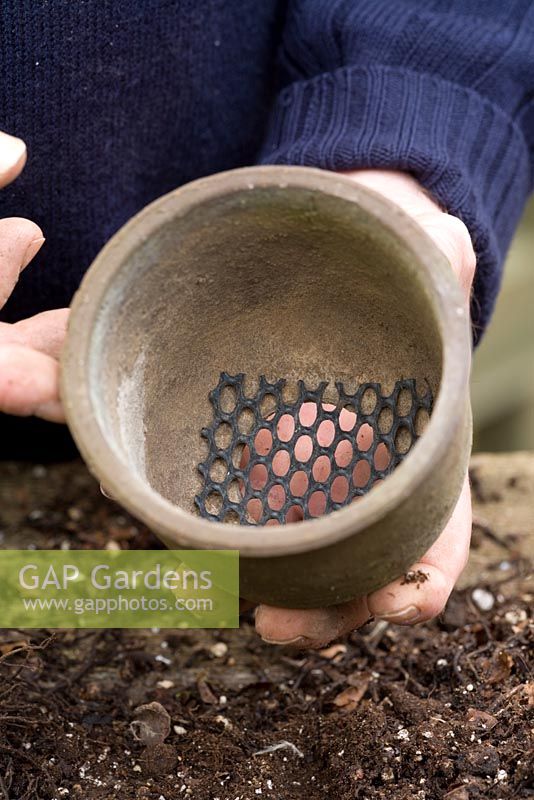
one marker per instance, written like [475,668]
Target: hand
[29,350]
[408,603]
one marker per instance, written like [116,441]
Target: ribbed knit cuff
[463,149]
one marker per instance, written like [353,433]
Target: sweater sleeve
[443,90]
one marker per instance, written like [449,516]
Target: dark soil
[444,710]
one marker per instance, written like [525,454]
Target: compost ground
[443,710]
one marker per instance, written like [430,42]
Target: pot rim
[185,529]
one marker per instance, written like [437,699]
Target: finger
[29,383]
[448,232]
[309,628]
[399,602]
[20,240]
[44,332]
[452,237]
[12,158]
[400,187]
[406,603]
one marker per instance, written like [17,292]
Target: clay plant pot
[285,272]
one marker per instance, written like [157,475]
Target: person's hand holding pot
[402,602]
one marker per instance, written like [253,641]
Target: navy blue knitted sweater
[120,101]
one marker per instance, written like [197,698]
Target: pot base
[276,458]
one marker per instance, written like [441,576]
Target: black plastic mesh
[241,474]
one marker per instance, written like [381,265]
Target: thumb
[12,158]
[452,237]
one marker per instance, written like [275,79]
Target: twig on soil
[3,789]
[11,686]
[303,673]
[476,612]
[410,679]
[474,672]
[25,757]
[457,669]
[363,642]
[376,635]
[27,648]
[92,660]
[280,746]
[485,528]
[496,711]
[21,721]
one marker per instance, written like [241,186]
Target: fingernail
[400,616]
[31,251]
[106,493]
[12,149]
[300,641]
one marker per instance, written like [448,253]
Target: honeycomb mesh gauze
[271,461]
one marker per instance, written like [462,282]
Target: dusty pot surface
[283,272]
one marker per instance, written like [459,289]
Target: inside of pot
[263,336]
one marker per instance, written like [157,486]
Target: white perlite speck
[483,599]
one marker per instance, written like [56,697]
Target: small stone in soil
[483,599]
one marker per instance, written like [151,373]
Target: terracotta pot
[285,272]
